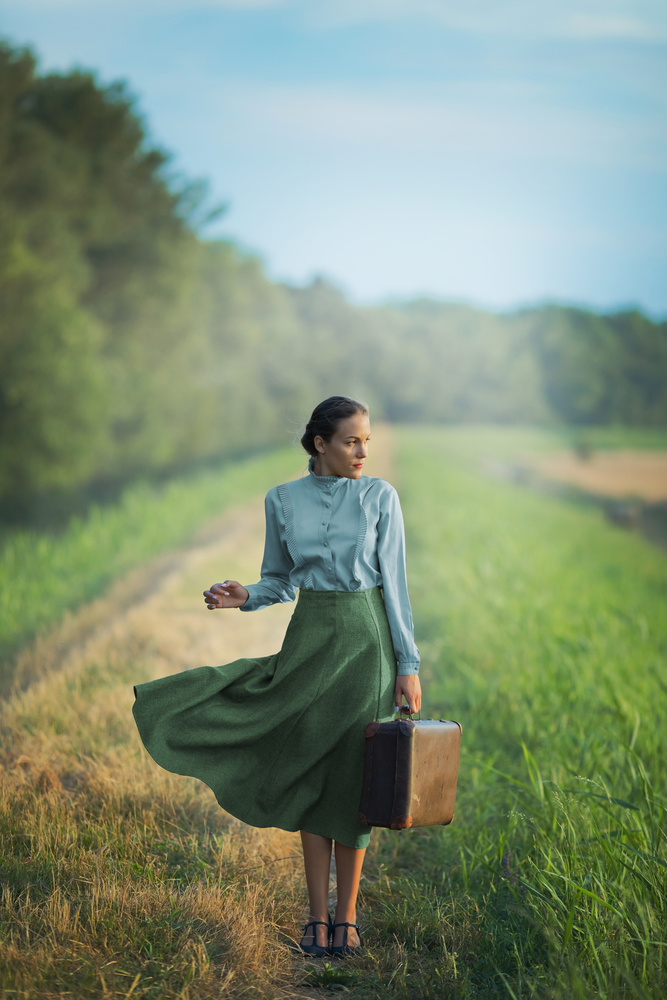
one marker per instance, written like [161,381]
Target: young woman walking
[280,739]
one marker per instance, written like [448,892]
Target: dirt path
[70,726]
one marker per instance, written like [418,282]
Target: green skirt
[280,739]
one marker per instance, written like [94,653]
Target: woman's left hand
[408,687]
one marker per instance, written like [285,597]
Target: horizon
[525,306]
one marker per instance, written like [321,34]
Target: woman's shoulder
[376,487]
[378,483]
[291,486]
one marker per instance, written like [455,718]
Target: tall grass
[543,631]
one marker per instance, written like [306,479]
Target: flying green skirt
[280,739]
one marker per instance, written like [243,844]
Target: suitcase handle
[404,712]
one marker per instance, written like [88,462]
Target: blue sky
[493,151]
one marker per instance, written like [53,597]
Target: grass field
[44,575]
[542,630]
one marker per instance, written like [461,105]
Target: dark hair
[326,417]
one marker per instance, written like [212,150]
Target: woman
[280,738]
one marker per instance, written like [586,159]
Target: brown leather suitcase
[410,773]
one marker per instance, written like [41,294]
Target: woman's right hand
[230,594]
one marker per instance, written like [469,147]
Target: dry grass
[621,473]
[120,878]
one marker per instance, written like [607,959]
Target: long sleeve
[275,586]
[391,559]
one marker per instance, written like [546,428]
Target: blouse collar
[324,482]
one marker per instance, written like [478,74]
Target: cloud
[602,26]
[638,20]
[141,6]
[492,118]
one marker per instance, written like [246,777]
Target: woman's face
[346,452]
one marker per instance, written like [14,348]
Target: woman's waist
[309,594]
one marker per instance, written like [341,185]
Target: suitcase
[410,772]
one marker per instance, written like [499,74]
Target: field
[44,576]
[622,473]
[542,630]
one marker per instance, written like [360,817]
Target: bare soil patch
[619,474]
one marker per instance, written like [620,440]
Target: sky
[499,152]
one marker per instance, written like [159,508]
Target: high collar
[324,482]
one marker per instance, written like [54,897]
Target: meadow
[542,630]
[44,575]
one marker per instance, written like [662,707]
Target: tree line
[130,344]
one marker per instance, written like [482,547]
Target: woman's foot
[315,940]
[346,939]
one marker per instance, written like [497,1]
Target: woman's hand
[230,594]
[408,687]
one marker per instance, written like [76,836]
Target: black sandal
[314,948]
[344,949]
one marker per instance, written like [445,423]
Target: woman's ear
[318,441]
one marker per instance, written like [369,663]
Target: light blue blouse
[334,533]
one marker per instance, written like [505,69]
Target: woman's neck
[320,468]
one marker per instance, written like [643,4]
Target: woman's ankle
[317,934]
[345,935]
